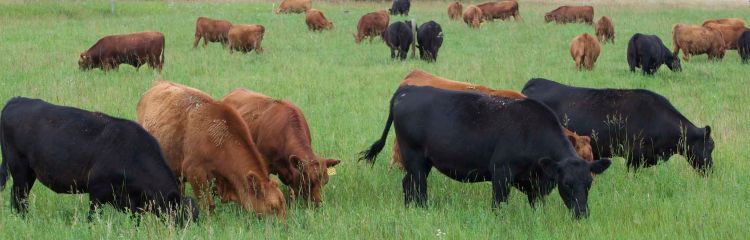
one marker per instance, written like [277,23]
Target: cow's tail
[4,164]
[413,38]
[372,153]
[163,49]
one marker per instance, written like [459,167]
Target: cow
[743,46]
[74,151]
[571,14]
[316,21]
[211,30]
[473,137]
[206,141]
[694,40]
[729,21]
[454,10]
[429,40]
[246,37]
[400,7]
[473,16]
[371,25]
[730,33]
[605,30]
[649,53]
[584,49]
[399,38]
[500,10]
[639,124]
[294,6]
[134,49]
[283,138]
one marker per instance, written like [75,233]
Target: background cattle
[429,40]
[473,16]
[584,49]
[134,49]
[70,150]
[729,21]
[316,21]
[206,142]
[371,25]
[694,40]
[743,46]
[246,37]
[730,33]
[399,38]
[649,53]
[294,6]
[400,7]
[211,30]
[454,10]
[280,130]
[501,9]
[605,30]
[571,14]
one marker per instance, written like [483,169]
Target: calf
[316,21]
[730,33]
[693,40]
[72,151]
[371,25]
[429,40]
[605,30]
[246,37]
[134,49]
[585,50]
[400,7]
[294,6]
[211,30]
[454,10]
[399,38]
[743,46]
[571,14]
[500,10]
[473,16]
[649,53]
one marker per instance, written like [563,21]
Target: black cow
[398,37]
[649,53]
[429,40]
[400,7]
[472,137]
[76,151]
[642,122]
[743,46]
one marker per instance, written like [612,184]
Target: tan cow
[134,49]
[585,50]
[294,6]
[729,21]
[694,40]
[371,25]
[571,14]
[207,141]
[730,33]
[454,10]
[473,16]
[502,10]
[246,37]
[316,21]
[605,30]
[211,30]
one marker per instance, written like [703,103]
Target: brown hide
[730,33]
[211,30]
[316,21]
[473,16]
[134,49]
[695,40]
[605,30]
[571,14]
[502,10]
[454,10]
[371,25]
[294,6]
[729,21]
[585,50]
[246,37]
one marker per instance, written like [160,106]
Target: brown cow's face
[582,145]
[548,17]
[84,61]
[329,25]
[266,199]
[314,176]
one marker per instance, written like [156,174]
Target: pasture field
[344,90]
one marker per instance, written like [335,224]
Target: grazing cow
[283,138]
[400,7]
[649,53]
[134,49]
[502,10]
[316,21]
[473,16]
[743,46]
[639,124]
[294,6]
[206,141]
[72,151]
[429,40]
[399,38]
[729,21]
[454,10]
[694,40]
[473,137]
[730,33]
[371,25]
[605,30]
[246,37]
[211,30]
[585,50]
[571,14]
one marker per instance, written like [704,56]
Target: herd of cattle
[470,133]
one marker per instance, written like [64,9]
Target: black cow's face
[673,62]
[573,177]
[700,149]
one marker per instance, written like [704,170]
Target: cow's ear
[708,131]
[598,166]
[254,180]
[331,162]
[549,167]
[83,56]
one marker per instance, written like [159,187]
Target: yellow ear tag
[331,171]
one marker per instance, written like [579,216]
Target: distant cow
[473,16]
[585,50]
[208,144]
[730,33]
[649,53]
[211,30]
[729,21]
[135,49]
[399,38]
[472,137]
[429,40]
[743,46]
[571,14]
[639,124]
[400,7]
[605,30]
[294,6]
[70,150]
[502,10]
[246,37]
[281,133]
[454,10]
[316,21]
[694,40]
[371,25]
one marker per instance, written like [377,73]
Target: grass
[344,89]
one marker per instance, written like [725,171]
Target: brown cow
[605,30]
[694,40]
[585,50]
[246,37]
[454,10]
[502,10]
[730,33]
[729,21]
[316,21]
[134,49]
[371,25]
[211,30]
[280,130]
[473,16]
[207,141]
[571,14]
[417,77]
[294,6]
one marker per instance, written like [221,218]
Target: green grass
[344,89]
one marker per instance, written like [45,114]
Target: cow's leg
[502,176]
[199,180]
[197,39]
[579,61]
[99,194]
[205,42]
[415,181]
[258,47]
[23,179]
[393,53]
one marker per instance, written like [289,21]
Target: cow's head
[548,17]
[673,62]
[84,61]
[313,176]
[329,25]
[582,144]
[573,178]
[700,147]
[358,38]
[265,198]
